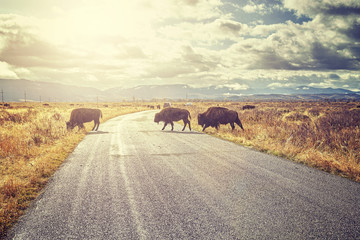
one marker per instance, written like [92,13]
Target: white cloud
[197,42]
[311,45]
[162,10]
[234,86]
[278,85]
[313,7]
[6,72]
[209,34]
[324,84]
[252,8]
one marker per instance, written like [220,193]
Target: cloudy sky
[236,43]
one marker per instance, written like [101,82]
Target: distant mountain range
[19,90]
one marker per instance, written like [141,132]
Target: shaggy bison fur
[79,116]
[168,115]
[214,116]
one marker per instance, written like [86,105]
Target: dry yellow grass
[34,141]
[324,135]
[33,144]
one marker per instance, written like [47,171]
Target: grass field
[33,144]
[34,140]
[325,135]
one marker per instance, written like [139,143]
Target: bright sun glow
[124,19]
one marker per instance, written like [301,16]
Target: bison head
[157,118]
[201,119]
[70,125]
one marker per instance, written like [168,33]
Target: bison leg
[206,125]
[232,126]
[164,126]
[97,124]
[172,126]
[94,125]
[186,121]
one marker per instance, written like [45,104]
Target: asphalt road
[130,180]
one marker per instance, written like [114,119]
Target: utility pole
[25,95]
[2,96]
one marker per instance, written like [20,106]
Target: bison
[248,107]
[168,115]
[167,104]
[214,116]
[79,116]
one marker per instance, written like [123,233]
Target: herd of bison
[212,117]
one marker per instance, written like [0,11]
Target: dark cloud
[199,62]
[26,50]
[191,2]
[341,10]
[329,58]
[232,27]
[188,63]
[272,60]
[355,52]
[334,76]
[328,8]
[189,55]
[23,48]
[353,32]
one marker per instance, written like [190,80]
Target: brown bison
[248,107]
[167,104]
[215,116]
[79,116]
[168,115]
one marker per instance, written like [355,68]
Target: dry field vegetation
[33,144]
[34,140]
[324,135]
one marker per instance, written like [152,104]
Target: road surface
[130,180]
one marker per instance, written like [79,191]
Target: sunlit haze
[238,44]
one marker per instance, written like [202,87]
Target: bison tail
[189,115]
[101,114]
